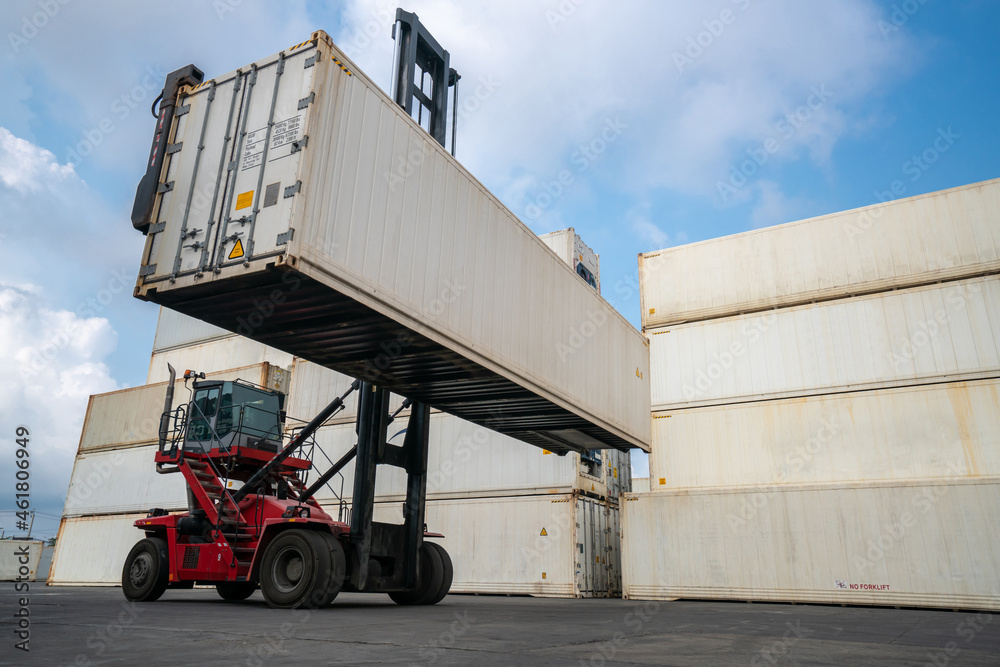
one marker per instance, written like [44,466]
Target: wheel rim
[141,568]
[287,570]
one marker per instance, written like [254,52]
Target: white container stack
[491,495]
[826,410]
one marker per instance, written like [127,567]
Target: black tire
[146,570]
[449,574]
[235,591]
[295,570]
[430,577]
[338,569]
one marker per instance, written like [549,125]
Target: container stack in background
[517,519]
[826,410]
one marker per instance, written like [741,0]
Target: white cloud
[54,360]
[773,207]
[560,80]
[650,233]
[24,166]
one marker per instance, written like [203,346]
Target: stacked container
[517,519]
[826,410]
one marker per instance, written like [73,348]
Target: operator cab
[233,414]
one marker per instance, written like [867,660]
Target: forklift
[252,521]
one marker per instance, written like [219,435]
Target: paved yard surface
[96,626]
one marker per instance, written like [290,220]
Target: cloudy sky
[673,122]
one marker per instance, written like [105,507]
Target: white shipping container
[120,481]
[18,554]
[570,248]
[926,544]
[91,550]
[131,417]
[939,236]
[308,240]
[468,461]
[175,329]
[214,356]
[562,546]
[929,431]
[934,333]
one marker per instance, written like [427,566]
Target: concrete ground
[96,626]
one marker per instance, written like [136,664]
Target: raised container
[932,543]
[910,433]
[284,215]
[924,334]
[939,236]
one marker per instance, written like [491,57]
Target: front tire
[430,578]
[235,591]
[146,570]
[295,570]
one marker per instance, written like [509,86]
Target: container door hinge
[147,270]
[182,110]
[306,101]
[157,228]
[300,144]
[231,166]
[309,62]
[285,237]
[292,189]
[165,187]
[173,148]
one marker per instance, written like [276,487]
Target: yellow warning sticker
[244,200]
[637,373]
[663,481]
[237,250]
[652,311]
[545,451]
[616,473]
[543,533]
[543,575]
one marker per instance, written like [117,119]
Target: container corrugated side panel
[939,236]
[131,417]
[90,550]
[496,544]
[314,386]
[11,555]
[927,544]
[121,481]
[931,431]
[935,333]
[214,356]
[464,460]
[428,255]
[175,329]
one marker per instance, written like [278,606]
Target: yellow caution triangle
[237,250]
[591,487]
[543,533]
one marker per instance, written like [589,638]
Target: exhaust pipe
[168,404]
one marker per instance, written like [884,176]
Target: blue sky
[674,121]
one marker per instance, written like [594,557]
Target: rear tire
[295,570]
[430,578]
[146,570]
[235,591]
[449,573]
